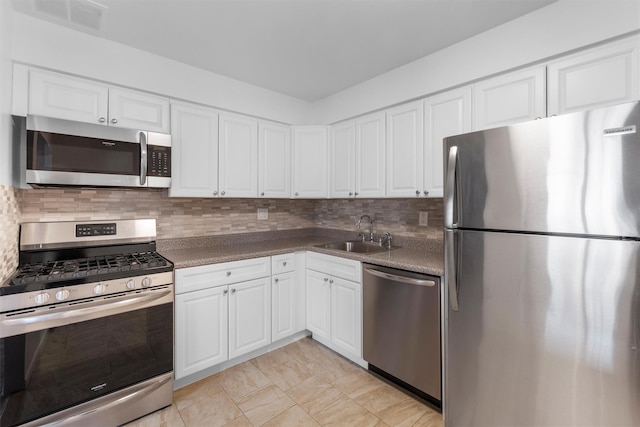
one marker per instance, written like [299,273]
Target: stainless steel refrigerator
[542,272]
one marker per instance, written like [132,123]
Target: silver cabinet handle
[102,120]
[143,158]
[284,263]
[350,193]
[215,193]
[451,268]
[114,121]
[226,291]
[426,193]
[228,273]
[402,279]
[417,192]
[449,188]
[233,291]
[296,193]
[223,193]
[276,280]
[331,281]
[356,193]
[326,279]
[262,194]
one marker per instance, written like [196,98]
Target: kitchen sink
[356,246]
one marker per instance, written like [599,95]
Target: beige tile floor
[302,384]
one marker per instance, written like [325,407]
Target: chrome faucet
[371,237]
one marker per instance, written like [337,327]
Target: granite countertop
[418,256]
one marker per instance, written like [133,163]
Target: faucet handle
[387,239]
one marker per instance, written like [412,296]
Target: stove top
[53,271]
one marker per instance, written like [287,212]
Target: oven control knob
[98,289]
[62,295]
[131,284]
[42,298]
[146,282]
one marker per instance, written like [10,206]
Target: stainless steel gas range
[86,325]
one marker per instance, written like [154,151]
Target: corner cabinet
[238,166]
[194,165]
[405,150]
[71,98]
[334,303]
[597,77]
[445,115]
[310,162]
[274,160]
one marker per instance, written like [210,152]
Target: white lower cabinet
[287,295]
[222,311]
[334,303]
[201,330]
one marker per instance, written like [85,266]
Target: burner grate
[51,271]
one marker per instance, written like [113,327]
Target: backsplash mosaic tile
[9,220]
[176,217]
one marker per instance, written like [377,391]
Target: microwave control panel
[159,161]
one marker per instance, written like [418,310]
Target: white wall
[552,30]
[6,15]
[43,44]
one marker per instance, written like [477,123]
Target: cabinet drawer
[283,263]
[207,276]
[335,266]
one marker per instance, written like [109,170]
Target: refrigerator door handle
[451,268]
[450,188]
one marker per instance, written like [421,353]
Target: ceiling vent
[84,15]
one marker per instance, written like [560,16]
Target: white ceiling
[308,49]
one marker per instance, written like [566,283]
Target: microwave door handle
[143,158]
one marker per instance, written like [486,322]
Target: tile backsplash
[9,220]
[192,217]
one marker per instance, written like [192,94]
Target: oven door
[71,354]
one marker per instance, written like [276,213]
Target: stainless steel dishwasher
[402,329]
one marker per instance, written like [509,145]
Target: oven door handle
[50,317]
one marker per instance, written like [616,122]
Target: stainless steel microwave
[66,153]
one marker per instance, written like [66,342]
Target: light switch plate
[263,213]
[424,218]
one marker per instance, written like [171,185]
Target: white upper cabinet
[310,161]
[71,98]
[238,166]
[194,150]
[342,160]
[405,148]
[274,160]
[65,97]
[370,155]
[594,78]
[509,98]
[136,110]
[446,114]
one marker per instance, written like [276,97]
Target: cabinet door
[201,330]
[509,98]
[283,308]
[346,315]
[137,110]
[598,77]
[249,316]
[274,160]
[194,150]
[238,156]
[318,304]
[70,98]
[310,161]
[445,115]
[405,147]
[342,161]
[370,156]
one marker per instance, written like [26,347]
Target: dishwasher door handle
[396,278]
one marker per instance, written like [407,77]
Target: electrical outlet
[263,213]
[424,218]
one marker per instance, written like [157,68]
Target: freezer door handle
[451,268]
[450,188]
